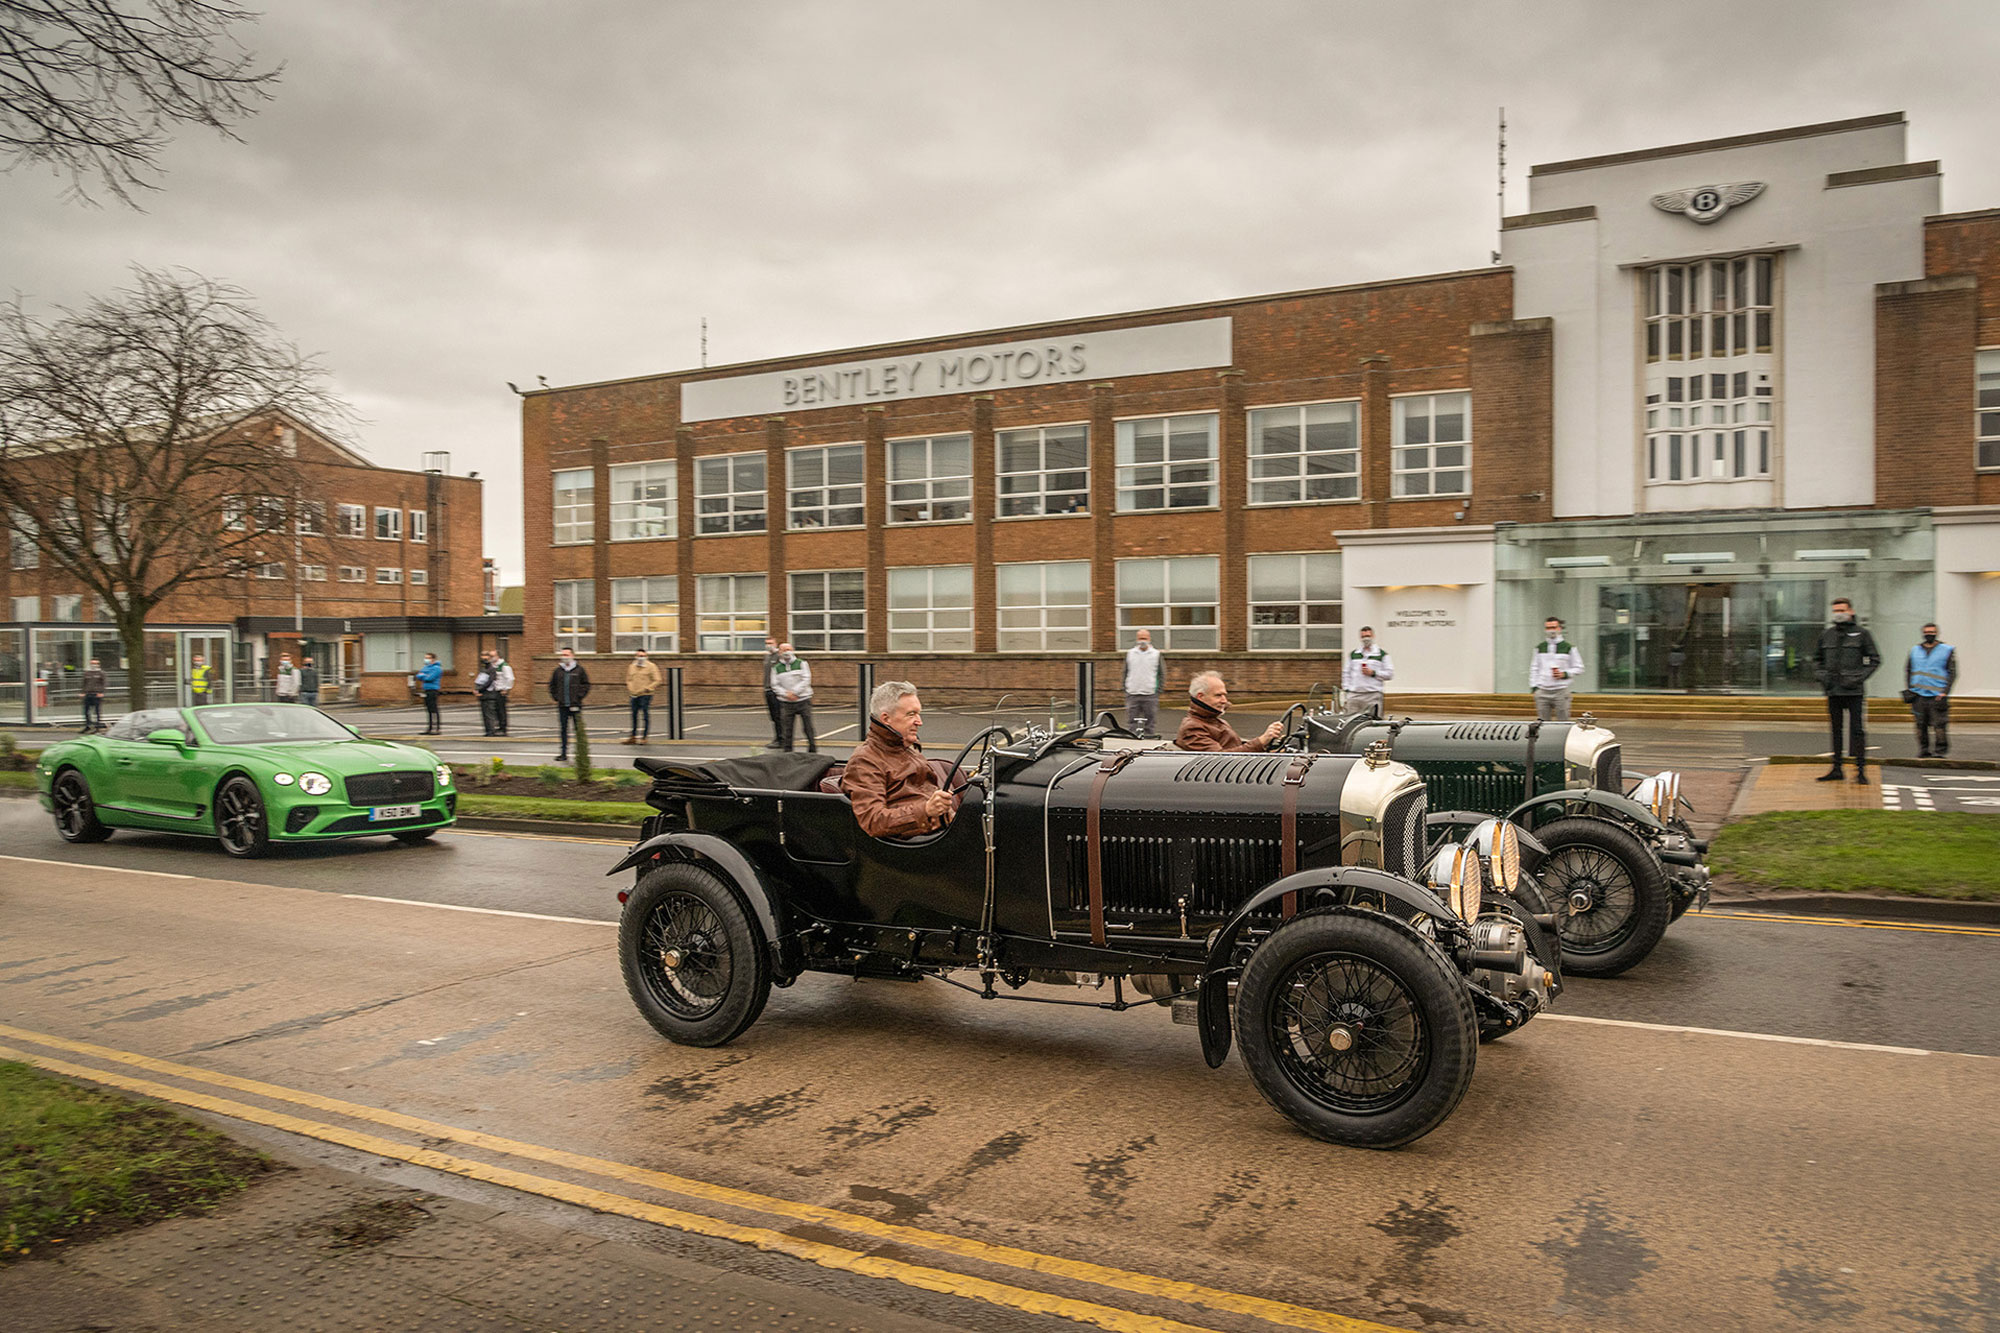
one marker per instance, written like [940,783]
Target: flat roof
[1709,145]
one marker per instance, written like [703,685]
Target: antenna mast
[704,341]
[1503,176]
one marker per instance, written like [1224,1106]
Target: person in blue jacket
[1928,675]
[430,678]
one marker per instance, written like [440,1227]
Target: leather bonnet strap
[1093,833]
[1288,827]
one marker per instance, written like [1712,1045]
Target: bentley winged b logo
[1706,203]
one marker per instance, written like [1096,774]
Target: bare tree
[142,441]
[94,87]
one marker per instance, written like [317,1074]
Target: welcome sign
[1155,349]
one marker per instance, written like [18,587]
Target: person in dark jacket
[569,686]
[1928,675]
[1847,658]
[309,683]
[92,686]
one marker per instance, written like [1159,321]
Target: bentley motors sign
[1154,349]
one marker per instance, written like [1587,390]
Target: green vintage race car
[247,775]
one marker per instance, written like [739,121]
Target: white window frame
[1040,493]
[636,621]
[391,519]
[24,543]
[1301,606]
[1709,336]
[313,573]
[919,623]
[420,578]
[311,518]
[66,607]
[574,519]
[740,627]
[271,570]
[350,521]
[268,513]
[1401,473]
[737,516]
[822,498]
[816,629]
[353,574]
[1195,633]
[1136,477]
[234,509]
[388,575]
[1025,626]
[1274,469]
[929,491]
[575,602]
[645,516]
[420,525]
[28,603]
[1986,414]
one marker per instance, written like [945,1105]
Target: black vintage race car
[1362,964]
[1623,862]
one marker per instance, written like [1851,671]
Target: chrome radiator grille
[390,788]
[1610,775]
[1403,834]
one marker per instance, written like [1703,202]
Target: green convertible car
[247,775]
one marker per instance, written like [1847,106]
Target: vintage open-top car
[1624,863]
[248,775]
[1362,964]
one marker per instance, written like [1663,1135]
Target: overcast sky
[449,195]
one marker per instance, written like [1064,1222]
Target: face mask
[1842,617]
[1929,639]
[1367,642]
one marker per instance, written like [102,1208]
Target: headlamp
[1660,794]
[315,784]
[1500,843]
[1455,874]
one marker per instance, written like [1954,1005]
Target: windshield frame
[347,733]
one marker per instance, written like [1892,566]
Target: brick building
[1707,387]
[378,566]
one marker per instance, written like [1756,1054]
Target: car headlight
[444,775]
[1500,843]
[315,784]
[1660,794]
[283,779]
[1455,874]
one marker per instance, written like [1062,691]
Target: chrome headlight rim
[1455,875]
[315,784]
[1499,841]
[1660,794]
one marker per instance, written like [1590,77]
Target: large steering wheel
[1285,722]
[985,737]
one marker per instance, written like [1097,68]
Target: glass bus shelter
[42,665]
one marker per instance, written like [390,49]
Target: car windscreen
[258,724]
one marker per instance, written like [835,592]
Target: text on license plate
[395,812]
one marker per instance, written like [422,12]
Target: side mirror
[173,736]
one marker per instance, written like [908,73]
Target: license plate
[395,812]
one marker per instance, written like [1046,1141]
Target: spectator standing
[569,686]
[503,689]
[1928,675]
[430,679]
[92,686]
[771,691]
[1552,671]
[641,679]
[309,682]
[287,685]
[1145,673]
[199,681]
[792,677]
[1363,675]
[482,686]
[1847,658]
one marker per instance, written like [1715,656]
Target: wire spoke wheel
[1603,900]
[1347,1028]
[685,956]
[1611,892]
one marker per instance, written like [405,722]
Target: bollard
[1086,692]
[864,678]
[676,706]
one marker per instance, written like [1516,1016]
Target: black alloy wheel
[76,813]
[694,961]
[1356,1030]
[1615,890]
[240,825]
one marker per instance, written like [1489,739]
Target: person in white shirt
[288,680]
[792,678]
[1363,675]
[503,685]
[1553,671]
[1145,670]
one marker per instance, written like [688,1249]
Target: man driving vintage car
[894,789]
[1203,727]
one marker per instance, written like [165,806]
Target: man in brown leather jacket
[1203,727]
[894,789]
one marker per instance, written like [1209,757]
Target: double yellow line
[851,1260]
[1851,923]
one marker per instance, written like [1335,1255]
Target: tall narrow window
[1432,453]
[576,507]
[576,614]
[644,501]
[1718,359]
[1987,424]
[729,495]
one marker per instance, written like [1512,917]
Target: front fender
[725,857]
[1609,804]
[1212,991]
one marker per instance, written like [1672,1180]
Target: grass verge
[77,1162]
[1919,853]
[23,780]
[534,807]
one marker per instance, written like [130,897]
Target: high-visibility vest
[198,679]
[1927,669]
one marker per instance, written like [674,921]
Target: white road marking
[1754,1036]
[829,735]
[483,911]
[1892,797]
[88,865]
